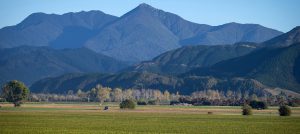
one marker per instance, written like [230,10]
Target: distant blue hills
[141,34]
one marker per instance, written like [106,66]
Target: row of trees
[102,94]
[237,98]
[16,92]
[152,96]
[147,96]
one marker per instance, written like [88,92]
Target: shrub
[185,100]
[258,104]
[284,110]
[141,102]
[18,104]
[152,102]
[174,102]
[293,104]
[206,103]
[127,104]
[2,100]
[247,110]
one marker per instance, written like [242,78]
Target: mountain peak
[142,9]
[144,5]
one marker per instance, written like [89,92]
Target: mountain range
[259,70]
[186,58]
[147,48]
[141,34]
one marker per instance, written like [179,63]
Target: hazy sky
[282,15]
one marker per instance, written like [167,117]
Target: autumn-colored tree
[167,95]
[117,95]
[103,93]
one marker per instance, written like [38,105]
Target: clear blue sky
[282,15]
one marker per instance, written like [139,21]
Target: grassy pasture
[90,118]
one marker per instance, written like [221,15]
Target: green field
[89,118]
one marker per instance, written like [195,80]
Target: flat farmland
[90,118]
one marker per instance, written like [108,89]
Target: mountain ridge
[173,32]
[41,62]
[275,67]
[141,34]
[287,39]
[262,70]
[188,57]
[39,29]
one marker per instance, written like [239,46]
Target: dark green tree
[127,104]
[246,110]
[284,110]
[15,92]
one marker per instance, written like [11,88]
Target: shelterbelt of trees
[153,96]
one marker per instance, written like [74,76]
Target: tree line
[154,96]
[103,94]
[106,94]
